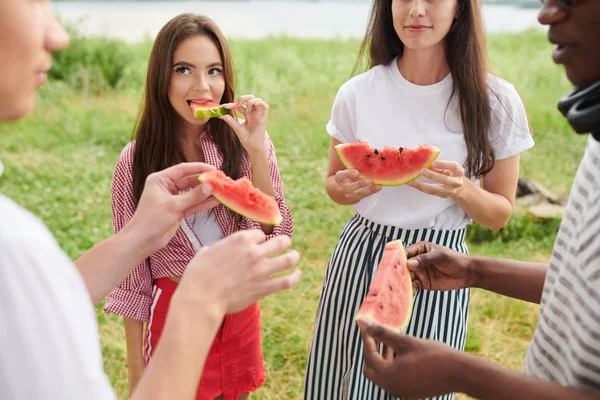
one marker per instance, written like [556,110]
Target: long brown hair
[158,125]
[467,57]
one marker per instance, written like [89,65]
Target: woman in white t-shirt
[428,83]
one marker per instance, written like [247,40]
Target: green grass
[59,164]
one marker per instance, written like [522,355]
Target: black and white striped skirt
[335,363]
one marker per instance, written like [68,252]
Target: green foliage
[520,227]
[93,65]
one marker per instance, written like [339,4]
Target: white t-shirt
[566,344]
[49,343]
[206,227]
[382,108]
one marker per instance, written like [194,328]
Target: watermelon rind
[203,113]
[276,220]
[370,316]
[401,181]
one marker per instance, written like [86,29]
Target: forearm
[106,264]
[134,333]
[178,361]
[335,194]
[261,179]
[489,209]
[483,380]
[517,279]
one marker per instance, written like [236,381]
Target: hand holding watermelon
[420,368]
[252,130]
[166,200]
[448,175]
[354,188]
[435,267]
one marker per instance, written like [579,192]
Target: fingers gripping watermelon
[243,198]
[387,167]
[389,301]
[207,109]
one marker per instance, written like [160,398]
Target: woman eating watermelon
[185,117]
[428,84]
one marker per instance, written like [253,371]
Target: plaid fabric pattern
[133,297]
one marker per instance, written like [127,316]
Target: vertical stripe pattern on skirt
[335,363]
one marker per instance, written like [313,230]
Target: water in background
[134,21]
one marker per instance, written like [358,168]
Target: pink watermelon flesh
[389,301]
[207,109]
[242,197]
[387,167]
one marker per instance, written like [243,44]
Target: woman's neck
[424,67]
[190,142]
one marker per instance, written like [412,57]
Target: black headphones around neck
[581,107]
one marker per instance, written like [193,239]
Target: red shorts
[235,363]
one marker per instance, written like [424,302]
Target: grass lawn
[59,163]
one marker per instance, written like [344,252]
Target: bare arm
[262,180]
[436,267]
[134,335]
[106,264]
[492,205]
[517,279]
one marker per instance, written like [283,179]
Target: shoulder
[20,224]
[365,81]
[126,156]
[503,94]
[27,244]
[124,167]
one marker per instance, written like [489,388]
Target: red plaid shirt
[133,297]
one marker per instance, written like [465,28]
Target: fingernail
[206,189]
[365,323]
[434,164]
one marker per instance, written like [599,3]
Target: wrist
[188,318]
[461,192]
[136,241]
[464,374]
[257,154]
[199,304]
[475,267]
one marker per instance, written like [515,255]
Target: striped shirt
[133,297]
[566,344]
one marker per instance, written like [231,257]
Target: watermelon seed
[391,289]
[381,306]
[401,148]
[376,151]
[374,294]
[382,158]
[368,156]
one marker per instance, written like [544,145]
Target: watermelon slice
[389,301]
[387,167]
[242,197]
[207,109]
